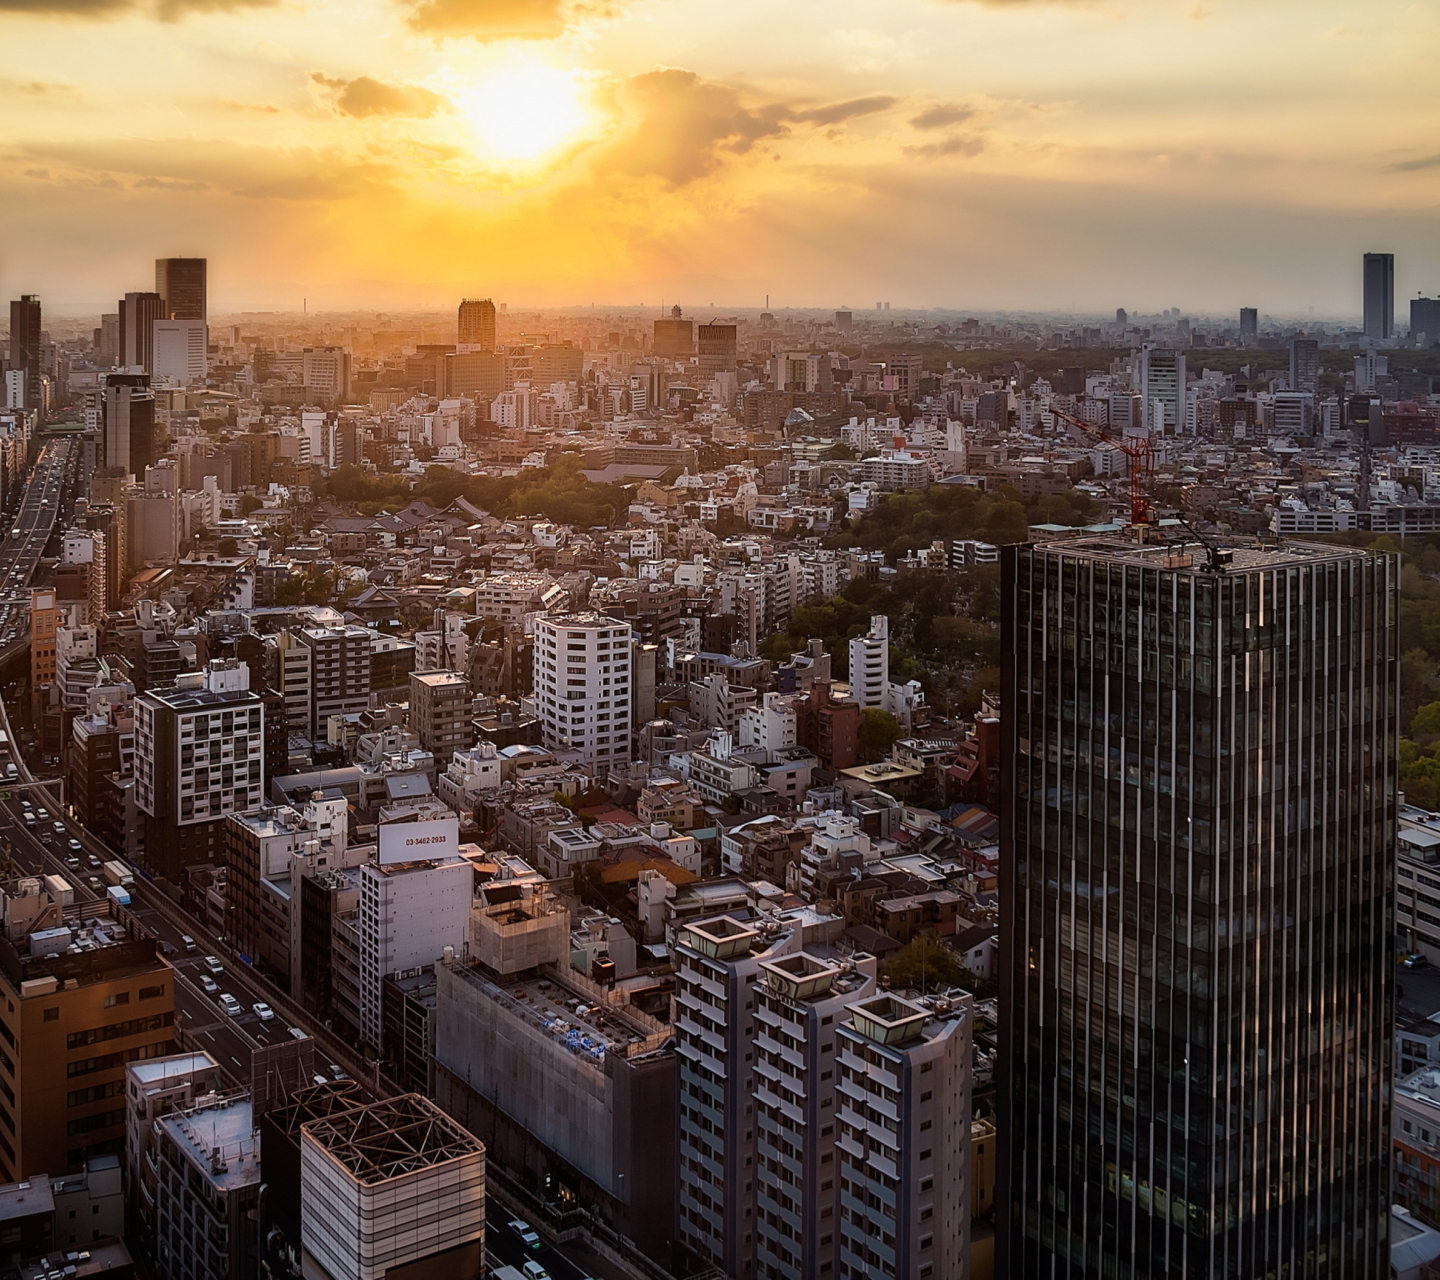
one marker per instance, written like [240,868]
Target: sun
[523,111]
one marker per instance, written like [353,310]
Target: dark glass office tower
[1380,295]
[1196,977]
[181,282]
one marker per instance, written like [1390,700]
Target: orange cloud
[365,96]
[490,19]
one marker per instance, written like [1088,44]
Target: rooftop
[1246,554]
[219,1140]
[390,1139]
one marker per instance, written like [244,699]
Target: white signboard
[419,841]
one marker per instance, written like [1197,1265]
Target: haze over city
[935,153]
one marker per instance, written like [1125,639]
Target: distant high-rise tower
[1162,387]
[181,282]
[138,313]
[1425,319]
[1122,317]
[476,330]
[1379,295]
[1249,325]
[1197,843]
[25,346]
[675,337]
[1305,364]
[128,422]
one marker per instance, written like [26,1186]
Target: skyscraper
[582,687]
[1162,389]
[674,337]
[1249,325]
[138,313]
[181,283]
[1425,320]
[25,346]
[1379,295]
[128,422]
[1198,825]
[717,345]
[476,330]
[1305,365]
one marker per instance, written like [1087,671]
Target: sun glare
[522,112]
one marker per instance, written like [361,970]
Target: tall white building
[1162,382]
[409,913]
[582,687]
[799,999]
[326,370]
[902,1119]
[870,663]
[718,963]
[180,351]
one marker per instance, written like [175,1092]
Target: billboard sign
[419,841]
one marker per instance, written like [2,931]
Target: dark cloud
[185,164]
[366,97]
[1412,166]
[839,111]
[688,124]
[491,19]
[939,117]
[165,10]
[958,145]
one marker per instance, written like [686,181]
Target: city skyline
[668,149]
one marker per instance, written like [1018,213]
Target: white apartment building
[870,663]
[799,1000]
[718,964]
[835,835]
[180,351]
[409,913]
[508,597]
[769,725]
[893,470]
[200,746]
[902,1119]
[582,687]
[326,370]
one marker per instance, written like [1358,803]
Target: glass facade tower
[1197,975]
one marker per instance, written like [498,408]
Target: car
[59,829]
[213,964]
[298,1034]
[231,1005]
[1416,961]
[96,884]
[167,948]
[25,802]
[208,985]
[11,771]
[187,942]
[73,863]
[43,814]
[525,1231]
[532,1270]
[95,862]
[75,844]
[339,1072]
[263,1011]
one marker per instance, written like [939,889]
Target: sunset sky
[1017,154]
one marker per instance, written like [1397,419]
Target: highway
[28,535]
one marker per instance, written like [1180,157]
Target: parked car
[263,1011]
[231,1005]
[1416,961]
[208,985]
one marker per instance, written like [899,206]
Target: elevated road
[27,535]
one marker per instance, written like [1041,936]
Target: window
[118,997]
[53,1015]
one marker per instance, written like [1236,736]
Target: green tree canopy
[926,964]
[879,731]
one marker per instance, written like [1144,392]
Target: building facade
[1197,987]
[582,687]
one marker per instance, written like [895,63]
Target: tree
[1427,719]
[926,964]
[248,503]
[228,547]
[879,731]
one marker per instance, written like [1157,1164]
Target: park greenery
[557,492]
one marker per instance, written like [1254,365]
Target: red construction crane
[1142,463]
